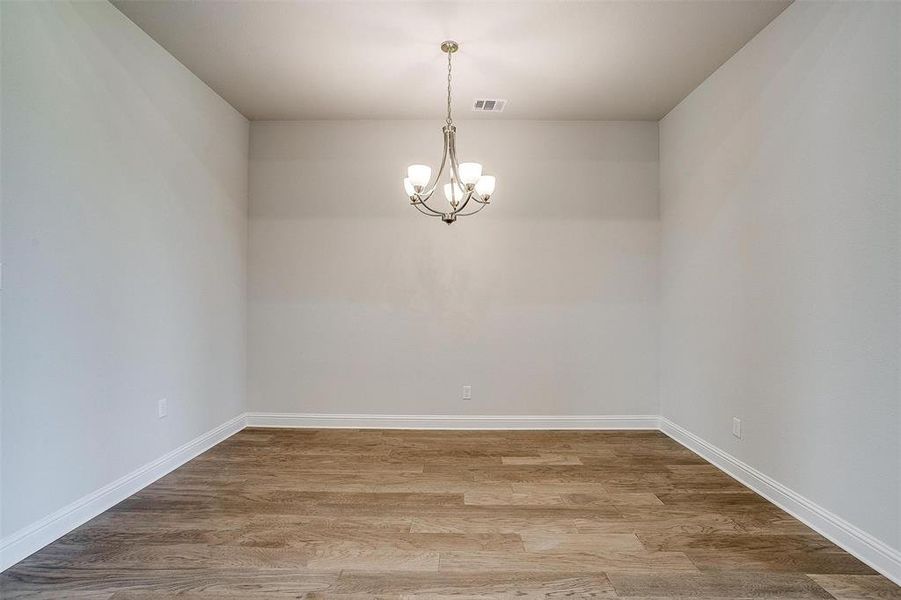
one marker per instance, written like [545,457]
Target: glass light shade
[408,187]
[458,193]
[419,175]
[470,172]
[485,186]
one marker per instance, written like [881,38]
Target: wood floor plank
[858,587]
[280,537]
[441,515]
[23,582]
[600,560]
[803,561]
[543,459]
[504,524]
[773,543]
[591,489]
[510,498]
[719,585]
[580,542]
[475,584]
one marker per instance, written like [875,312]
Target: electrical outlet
[162,407]
[736,427]
[467,392]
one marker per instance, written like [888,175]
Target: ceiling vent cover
[488,105]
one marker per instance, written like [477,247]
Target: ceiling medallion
[465,180]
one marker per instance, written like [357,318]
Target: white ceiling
[380,60]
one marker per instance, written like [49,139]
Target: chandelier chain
[449,120]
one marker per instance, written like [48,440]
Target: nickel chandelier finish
[465,180]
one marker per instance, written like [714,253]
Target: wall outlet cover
[162,408]
[736,427]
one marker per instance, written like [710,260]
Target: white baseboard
[875,553]
[535,422]
[32,538]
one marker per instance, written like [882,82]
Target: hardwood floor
[348,514]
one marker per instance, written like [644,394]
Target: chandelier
[465,180]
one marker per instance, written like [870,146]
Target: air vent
[488,105]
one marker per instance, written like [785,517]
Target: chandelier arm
[472,212]
[427,193]
[429,208]
[463,204]
[472,194]
[423,202]
[452,151]
[428,214]
[455,170]
[425,197]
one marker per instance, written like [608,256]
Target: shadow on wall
[355,169]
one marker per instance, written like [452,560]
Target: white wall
[546,302]
[780,258]
[124,241]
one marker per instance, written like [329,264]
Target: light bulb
[470,172]
[485,186]
[408,187]
[419,175]
[458,193]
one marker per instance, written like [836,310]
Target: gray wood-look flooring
[348,514]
